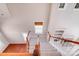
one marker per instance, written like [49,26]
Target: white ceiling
[4,12]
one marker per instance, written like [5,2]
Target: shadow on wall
[13,34]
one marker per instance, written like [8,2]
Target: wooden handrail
[64,39]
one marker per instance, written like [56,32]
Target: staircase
[65,46]
[52,47]
[45,48]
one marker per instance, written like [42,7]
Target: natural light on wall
[24,36]
[38,27]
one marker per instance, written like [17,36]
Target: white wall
[22,18]
[4,14]
[67,18]
[3,43]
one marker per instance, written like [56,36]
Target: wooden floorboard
[15,54]
[15,48]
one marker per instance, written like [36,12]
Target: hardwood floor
[15,48]
[15,54]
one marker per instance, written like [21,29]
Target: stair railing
[75,43]
[64,39]
[27,41]
[36,51]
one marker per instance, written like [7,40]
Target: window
[61,5]
[77,6]
[38,27]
